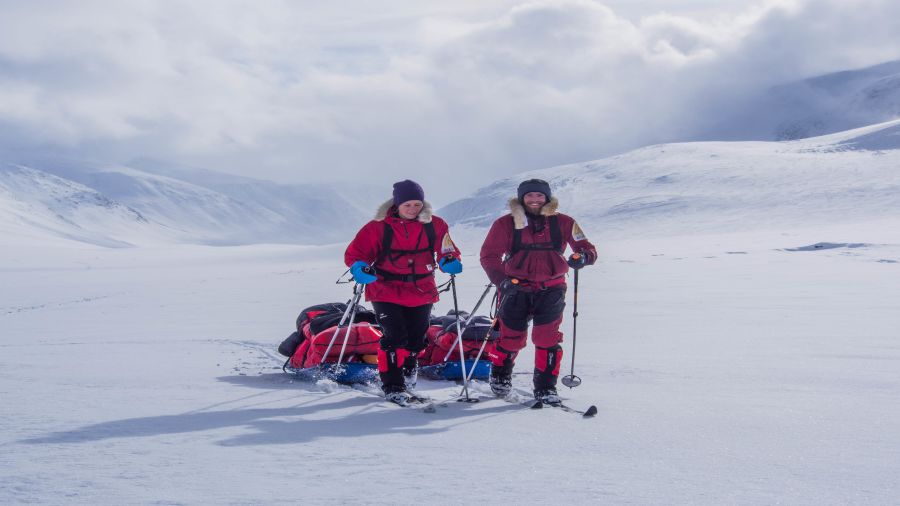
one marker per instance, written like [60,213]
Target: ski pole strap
[342,281]
[444,287]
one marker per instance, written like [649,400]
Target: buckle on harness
[542,285]
[408,278]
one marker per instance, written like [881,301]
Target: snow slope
[203,207]
[36,204]
[744,353]
[706,187]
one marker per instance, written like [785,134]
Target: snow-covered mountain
[817,106]
[704,187]
[38,204]
[663,190]
[176,205]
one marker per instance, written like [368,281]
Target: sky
[451,94]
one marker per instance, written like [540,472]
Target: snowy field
[726,370]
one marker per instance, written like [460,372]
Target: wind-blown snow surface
[755,365]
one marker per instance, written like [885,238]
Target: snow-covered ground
[756,365]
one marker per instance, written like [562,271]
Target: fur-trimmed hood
[424,215]
[517,210]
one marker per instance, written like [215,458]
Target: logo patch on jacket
[577,233]
[447,245]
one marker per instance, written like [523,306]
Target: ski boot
[397,396]
[547,396]
[410,369]
[391,373]
[502,362]
[546,370]
[501,383]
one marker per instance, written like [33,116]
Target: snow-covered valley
[740,343]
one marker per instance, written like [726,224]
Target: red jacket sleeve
[365,245]
[496,244]
[443,244]
[579,243]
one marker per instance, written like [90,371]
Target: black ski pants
[403,326]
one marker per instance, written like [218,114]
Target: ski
[416,402]
[588,413]
[521,397]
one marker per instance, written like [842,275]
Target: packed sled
[337,341]
[340,341]
[441,357]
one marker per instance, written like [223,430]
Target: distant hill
[701,187]
[190,206]
[34,203]
[666,189]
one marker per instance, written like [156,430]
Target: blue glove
[362,272]
[577,260]
[450,265]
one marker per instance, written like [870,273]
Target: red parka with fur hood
[537,266]
[408,235]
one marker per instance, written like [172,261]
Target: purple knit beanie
[407,190]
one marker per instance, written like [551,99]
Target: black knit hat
[534,185]
[407,190]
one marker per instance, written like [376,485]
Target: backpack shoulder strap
[516,242]
[429,232]
[516,238]
[387,237]
[556,234]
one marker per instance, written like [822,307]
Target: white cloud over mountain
[297,91]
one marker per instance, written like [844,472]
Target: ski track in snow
[83,300]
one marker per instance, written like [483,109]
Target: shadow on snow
[365,414]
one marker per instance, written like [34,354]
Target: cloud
[448,95]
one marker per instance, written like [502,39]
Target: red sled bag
[316,321]
[362,342]
[442,336]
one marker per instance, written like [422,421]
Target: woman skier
[395,256]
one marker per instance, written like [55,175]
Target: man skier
[523,255]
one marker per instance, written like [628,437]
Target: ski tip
[537,405]
[589,412]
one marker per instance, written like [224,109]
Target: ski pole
[349,328]
[469,320]
[462,355]
[353,301]
[571,380]
[484,341]
[487,336]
